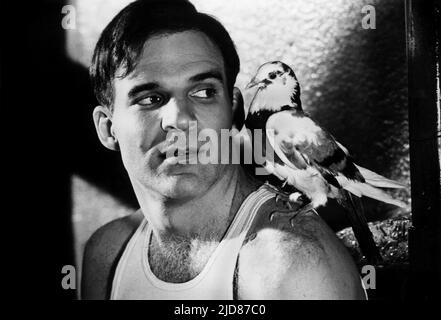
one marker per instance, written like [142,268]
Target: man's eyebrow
[214,74]
[211,74]
[142,87]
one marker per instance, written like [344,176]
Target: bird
[308,158]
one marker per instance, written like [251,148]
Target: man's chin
[181,185]
[176,180]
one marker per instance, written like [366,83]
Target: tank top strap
[123,261]
[247,212]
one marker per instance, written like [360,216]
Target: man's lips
[177,155]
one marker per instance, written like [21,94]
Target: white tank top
[135,280]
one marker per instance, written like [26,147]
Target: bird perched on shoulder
[308,158]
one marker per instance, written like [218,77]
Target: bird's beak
[254,82]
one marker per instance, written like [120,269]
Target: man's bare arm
[306,261]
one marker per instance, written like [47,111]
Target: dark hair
[122,41]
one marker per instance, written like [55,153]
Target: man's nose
[176,114]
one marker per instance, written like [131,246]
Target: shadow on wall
[63,92]
[364,101]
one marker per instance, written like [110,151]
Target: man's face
[179,78]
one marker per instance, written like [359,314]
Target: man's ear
[238,109]
[102,117]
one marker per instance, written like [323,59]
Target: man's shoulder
[307,235]
[102,252]
[304,259]
[306,229]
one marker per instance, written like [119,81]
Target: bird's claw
[285,199]
[288,213]
[296,197]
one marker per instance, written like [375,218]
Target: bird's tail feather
[376,180]
[364,189]
[359,224]
[352,189]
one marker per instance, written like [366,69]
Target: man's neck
[205,217]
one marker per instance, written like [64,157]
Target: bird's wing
[287,155]
[284,149]
[297,139]
[373,178]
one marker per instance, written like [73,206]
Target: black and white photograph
[256,150]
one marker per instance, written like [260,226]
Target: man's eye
[150,100]
[272,75]
[204,93]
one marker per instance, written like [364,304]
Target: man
[202,230]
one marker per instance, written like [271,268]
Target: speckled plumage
[308,157]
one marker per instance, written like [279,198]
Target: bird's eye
[272,75]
